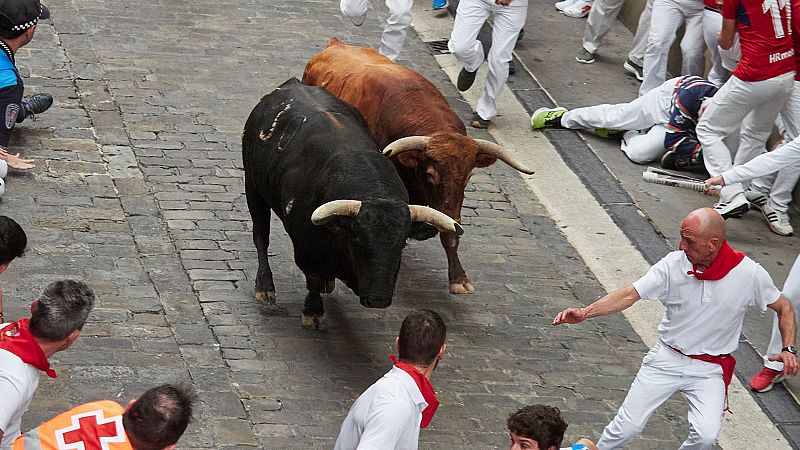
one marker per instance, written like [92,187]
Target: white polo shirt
[705,317]
[18,383]
[385,417]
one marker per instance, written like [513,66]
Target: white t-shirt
[385,417]
[705,317]
[18,382]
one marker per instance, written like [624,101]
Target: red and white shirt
[765,36]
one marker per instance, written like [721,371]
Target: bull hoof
[312,322]
[329,286]
[464,287]
[267,298]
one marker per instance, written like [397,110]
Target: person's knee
[460,48]
[707,434]
[400,16]
[352,9]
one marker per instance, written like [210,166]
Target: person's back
[764,36]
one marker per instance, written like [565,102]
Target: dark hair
[159,417]
[63,308]
[7,33]
[422,334]
[13,240]
[541,423]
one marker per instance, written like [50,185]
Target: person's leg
[601,18]
[712,24]
[693,47]
[636,55]
[394,34]
[662,35]
[643,148]
[622,116]
[353,8]
[781,186]
[463,43]
[508,20]
[706,397]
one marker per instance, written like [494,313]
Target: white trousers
[723,62]
[3,173]
[669,15]
[465,46]
[791,290]
[754,105]
[648,111]
[602,17]
[781,185]
[394,33]
[664,372]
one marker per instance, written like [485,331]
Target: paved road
[139,191]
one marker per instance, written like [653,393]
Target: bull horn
[405,144]
[492,149]
[326,211]
[440,220]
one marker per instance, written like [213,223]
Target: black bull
[309,157]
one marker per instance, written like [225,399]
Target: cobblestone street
[138,190]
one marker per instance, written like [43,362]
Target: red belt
[727,362]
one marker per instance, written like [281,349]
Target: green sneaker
[547,118]
[585,57]
[609,134]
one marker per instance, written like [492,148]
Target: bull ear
[409,159]
[421,231]
[484,160]
[407,150]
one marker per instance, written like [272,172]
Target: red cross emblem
[90,431]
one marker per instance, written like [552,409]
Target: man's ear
[130,405]
[72,337]
[34,305]
[442,351]
[3,267]
[170,447]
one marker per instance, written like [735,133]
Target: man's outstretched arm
[611,303]
[788,327]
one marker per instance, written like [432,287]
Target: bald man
[705,288]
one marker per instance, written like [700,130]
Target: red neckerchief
[16,338]
[424,387]
[727,258]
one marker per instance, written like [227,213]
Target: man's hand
[710,183]
[570,315]
[15,162]
[789,361]
[503,2]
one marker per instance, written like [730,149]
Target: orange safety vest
[93,426]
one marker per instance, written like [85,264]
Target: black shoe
[521,34]
[512,68]
[673,161]
[479,122]
[465,79]
[36,104]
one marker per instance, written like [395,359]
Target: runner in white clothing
[705,288]
[397,24]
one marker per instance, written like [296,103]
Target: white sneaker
[778,221]
[579,9]
[565,4]
[756,198]
[3,168]
[2,187]
[734,208]
[358,20]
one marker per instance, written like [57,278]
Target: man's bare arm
[611,303]
[726,35]
[788,327]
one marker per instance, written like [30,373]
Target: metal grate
[438,47]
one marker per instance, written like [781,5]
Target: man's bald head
[710,224]
[702,235]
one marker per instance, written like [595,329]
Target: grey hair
[63,308]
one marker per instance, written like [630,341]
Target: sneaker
[562,5]
[756,198]
[36,104]
[764,380]
[465,79]
[609,134]
[547,118]
[358,20]
[438,5]
[579,9]
[512,68]
[585,57]
[673,161]
[778,221]
[634,69]
[734,208]
[479,122]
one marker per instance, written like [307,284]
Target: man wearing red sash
[705,288]
[57,318]
[155,421]
[389,414]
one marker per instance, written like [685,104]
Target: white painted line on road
[608,253]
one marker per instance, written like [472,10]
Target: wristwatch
[789,349]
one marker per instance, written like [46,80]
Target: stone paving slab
[139,192]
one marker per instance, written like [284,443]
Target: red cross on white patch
[90,431]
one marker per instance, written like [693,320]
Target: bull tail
[335,42]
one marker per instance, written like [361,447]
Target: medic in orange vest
[154,421]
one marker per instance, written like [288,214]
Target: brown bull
[411,120]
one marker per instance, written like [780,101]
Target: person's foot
[609,134]
[439,6]
[634,69]
[756,198]
[479,122]
[737,207]
[512,68]
[673,161]
[547,118]
[764,380]
[778,221]
[585,56]
[36,104]
[578,9]
[358,20]
[562,5]
[465,79]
